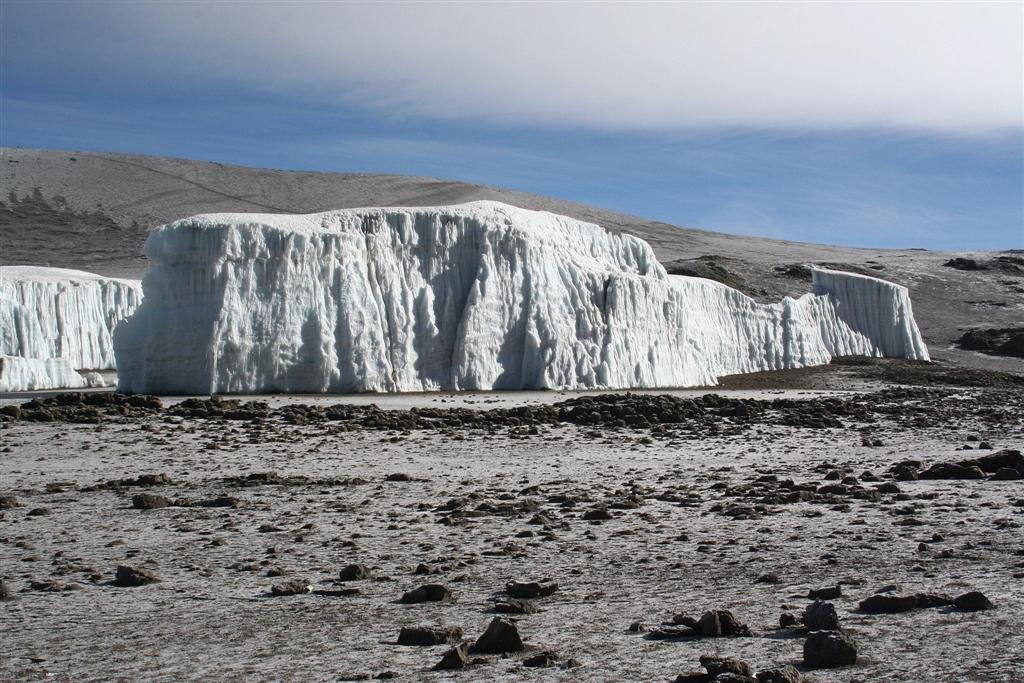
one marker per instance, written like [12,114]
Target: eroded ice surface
[50,314]
[33,374]
[474,296]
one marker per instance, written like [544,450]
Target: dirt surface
[526,535]
[647,510]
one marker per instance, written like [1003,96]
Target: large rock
[887,604]
[502,635]
[821,616]
[132,577]
[429,635]
[431,592]
[829,649]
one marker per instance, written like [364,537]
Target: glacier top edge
[58,275]
[329,221]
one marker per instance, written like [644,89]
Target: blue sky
[881,125]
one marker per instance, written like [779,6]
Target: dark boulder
[431,592]
[501,636]
[829,649]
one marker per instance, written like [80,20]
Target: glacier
[55,320]
[33,374]
[473,296]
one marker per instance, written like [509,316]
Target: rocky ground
[558,536]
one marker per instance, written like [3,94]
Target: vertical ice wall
[474,296]
[54,313]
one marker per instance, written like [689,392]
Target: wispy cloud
[629,66]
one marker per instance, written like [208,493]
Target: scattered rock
[429,635]
[501,636]
[952,470]
[542,659]
[719,623]
[829,649]
[830,593]
[821,616]
[9,502]
[530,590]
[149,501]
[291,587]
[782,674]
[354,572]
[515,606]
[789,620]
[887,604]
[725,665]
[453,659]
[973,602]
[132,577]
[431,592]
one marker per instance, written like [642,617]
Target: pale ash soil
[210,617]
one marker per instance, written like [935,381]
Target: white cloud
[629,66]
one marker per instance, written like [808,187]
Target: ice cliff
[474,296]
[54,321]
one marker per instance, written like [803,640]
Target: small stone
[829,649]
[768,578]
[530,590]
[38,512]
[930,600]
[9,502]
[501,636]
[783,674]
[717,666]
[887,604]
[973,602]
[821,616]
[354,572]
[132,577]
[788,620]
[597,514]
[431,592]
[515,606]
[1006,474]
[429,635]
[292,587]
[149,501]
[830,593]
[717,623]
[542,659]
[398,476]
[455,658]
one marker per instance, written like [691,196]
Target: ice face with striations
[474,296]
[53,314]
[33,374]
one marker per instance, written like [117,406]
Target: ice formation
[474,296]
[57,320]
[32,374]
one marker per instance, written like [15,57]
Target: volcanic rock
[501,636]
[829,649]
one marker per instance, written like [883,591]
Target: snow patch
[468,297]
